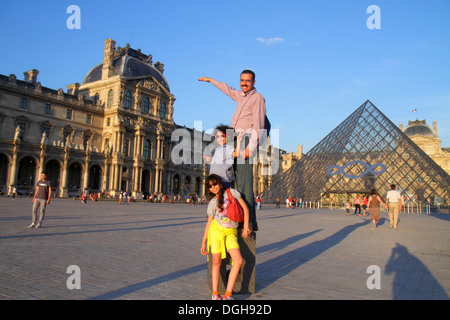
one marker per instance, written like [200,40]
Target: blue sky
[315,61]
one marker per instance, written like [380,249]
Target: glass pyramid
[365,151]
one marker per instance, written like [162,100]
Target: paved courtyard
[152,251]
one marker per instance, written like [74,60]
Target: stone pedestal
[245,282]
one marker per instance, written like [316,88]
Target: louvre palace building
[111,133]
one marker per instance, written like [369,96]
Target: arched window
[127,100]
[110,98]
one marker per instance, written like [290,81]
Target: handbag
[234,209]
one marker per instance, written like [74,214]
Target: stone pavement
[152,251]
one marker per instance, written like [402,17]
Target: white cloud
[270,41]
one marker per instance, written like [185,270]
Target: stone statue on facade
[17,134]
[44,138]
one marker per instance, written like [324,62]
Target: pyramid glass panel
[366,151]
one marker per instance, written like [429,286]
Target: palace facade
[427,139]
[111,133]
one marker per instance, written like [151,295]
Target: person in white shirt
[394,202]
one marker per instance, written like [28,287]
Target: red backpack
[234,210]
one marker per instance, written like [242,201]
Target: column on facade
[105,181]
[139,179]
[64,192]
[119,177]
[159,162]
[14,166]
[157,179]
[158,146]
[112,177]
[40,167]
[138,162]
[114,142]
[118,141]
[86,170]
[115,172]
[41,160]
[160,178]
[136,178]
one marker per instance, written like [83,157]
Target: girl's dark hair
[215,178]
[226,130]
[222,128]
[372,192]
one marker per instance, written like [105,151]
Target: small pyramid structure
[366,151]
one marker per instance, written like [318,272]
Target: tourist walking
[394,203]
[40,200]
[364,205]
[374,205]
[258,202]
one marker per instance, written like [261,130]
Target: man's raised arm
[236,95]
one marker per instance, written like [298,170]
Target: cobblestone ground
[152,251]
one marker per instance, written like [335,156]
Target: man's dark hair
[249,72]
[392,186]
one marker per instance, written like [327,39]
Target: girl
[224,154]
[221,234]
[364,205]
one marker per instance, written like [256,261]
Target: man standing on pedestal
[249,117]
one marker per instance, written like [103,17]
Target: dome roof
[420,128]
[128,66]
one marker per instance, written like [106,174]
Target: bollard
[245,282]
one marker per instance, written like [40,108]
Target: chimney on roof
[108,58]
[31,76]
[73,89]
